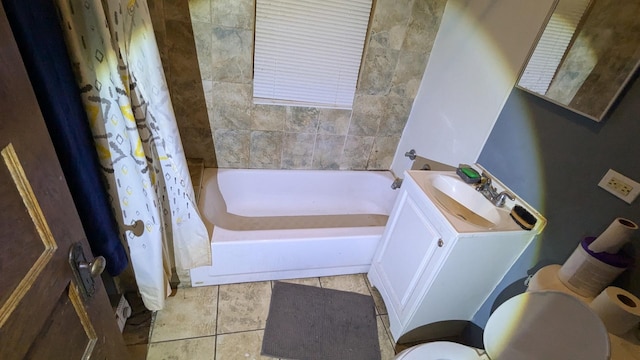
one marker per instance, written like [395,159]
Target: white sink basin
[463,201]
[466,209]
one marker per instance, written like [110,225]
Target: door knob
[85,271]
[96,267]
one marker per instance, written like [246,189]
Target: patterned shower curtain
[117,64]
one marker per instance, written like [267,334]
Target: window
[308,52]
[552,45]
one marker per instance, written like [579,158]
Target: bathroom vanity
[444,250]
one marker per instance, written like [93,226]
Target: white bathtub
[280,224]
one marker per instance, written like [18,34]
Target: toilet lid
[545,325]
[440,350]
[547,279]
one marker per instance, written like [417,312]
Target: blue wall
[554,159]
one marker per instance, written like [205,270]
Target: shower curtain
[117,66]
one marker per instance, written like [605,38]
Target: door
[43,312]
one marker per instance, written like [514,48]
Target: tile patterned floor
[226,322]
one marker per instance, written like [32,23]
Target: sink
[466,209]
[462,200]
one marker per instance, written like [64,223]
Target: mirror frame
[602,113]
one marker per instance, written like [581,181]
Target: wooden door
[43,314]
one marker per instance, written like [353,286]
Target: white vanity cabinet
[431,266]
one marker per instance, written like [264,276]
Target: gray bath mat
[311,323]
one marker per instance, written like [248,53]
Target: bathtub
[283,224]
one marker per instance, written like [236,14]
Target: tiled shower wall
[211,88]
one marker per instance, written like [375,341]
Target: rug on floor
[312,323]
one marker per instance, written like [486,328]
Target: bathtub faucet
[396,183]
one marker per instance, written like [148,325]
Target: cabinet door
[409,244]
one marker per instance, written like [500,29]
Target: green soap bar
[468,175]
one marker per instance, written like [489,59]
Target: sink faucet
[490,192]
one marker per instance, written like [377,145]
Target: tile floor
[226,322]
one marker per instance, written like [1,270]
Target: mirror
[585,55]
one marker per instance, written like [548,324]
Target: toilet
[547,279]
[530,326]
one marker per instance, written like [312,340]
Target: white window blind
[552,45]
[308,52]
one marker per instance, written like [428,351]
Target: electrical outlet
[620,186]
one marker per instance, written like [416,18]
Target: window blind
[552,45]
[308,52]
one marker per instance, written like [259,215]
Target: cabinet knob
[440,243]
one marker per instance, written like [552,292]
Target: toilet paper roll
[618,309]
[588,273]
[616,235]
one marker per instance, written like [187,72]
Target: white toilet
[537,325]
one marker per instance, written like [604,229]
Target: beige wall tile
[396,114]
[233,13]
[266,149]
[243,307]
[232,148]
[268,117]
[187,97]
[333,121]
[377,71]
[197,143]
[200,10]
[179,37]
[183,69]
[402,33]
[368,111]
[391,18]
[231,106]
[173,28]
[423,25]
[302,120]
[297,150]
[176,10]
[408,75]
[356,152]
[203,42]
[232,55]
[388,38]
[207,88]
[185,84]
[384,148]
[328,151]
